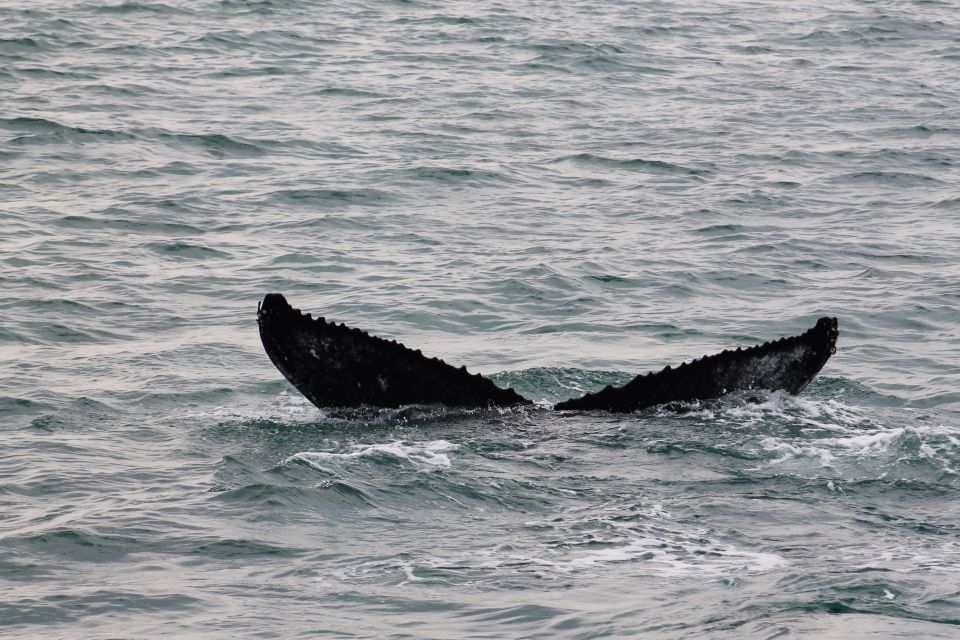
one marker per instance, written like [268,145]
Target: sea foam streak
[432,453]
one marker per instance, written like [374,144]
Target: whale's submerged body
[334,365]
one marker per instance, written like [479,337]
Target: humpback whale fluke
[338,366]
[787,364]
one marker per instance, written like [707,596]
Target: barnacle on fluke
[339,366]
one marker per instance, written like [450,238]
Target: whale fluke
[787,364]
[334,365]
[337,366]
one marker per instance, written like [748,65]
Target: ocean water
[557,194]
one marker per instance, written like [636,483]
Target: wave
[434,453]
[44,131]
[186,251]
[128,224]
[635,164]
[891,178]
[128,8]
[458,176]
[337,197]
[217,145]
[897,452]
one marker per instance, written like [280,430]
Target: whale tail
[787,364]
[334,365]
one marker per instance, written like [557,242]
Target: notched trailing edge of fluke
[336,365]
[786,364]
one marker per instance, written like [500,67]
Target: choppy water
[561,194]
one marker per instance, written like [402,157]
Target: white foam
[789,451]
[648,549]
[776,407]
[680,555]
[657,510]
[655,546]
[938,444]
[408,571]
[286,408]
[433,453]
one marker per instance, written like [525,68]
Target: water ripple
[559,195]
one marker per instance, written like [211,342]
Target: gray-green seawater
[560,194]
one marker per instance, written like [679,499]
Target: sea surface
[557,194]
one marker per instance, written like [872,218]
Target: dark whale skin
[334,365]
[787,364]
